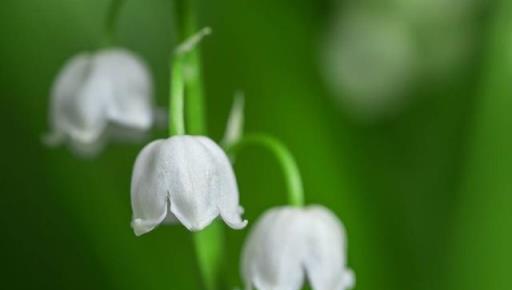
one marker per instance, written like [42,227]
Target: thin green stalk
[209,243]
[193,81]
[285,158]
[209,246]
[176,98]
[111,21]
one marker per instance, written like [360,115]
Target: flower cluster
[189,179]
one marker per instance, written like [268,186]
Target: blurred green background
[425,192]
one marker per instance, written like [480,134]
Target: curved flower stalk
[289,243]
[188,178]
[100,96]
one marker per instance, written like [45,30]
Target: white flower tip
[235,223]
[240,225]
[141,227]
[191,42]
[349,279]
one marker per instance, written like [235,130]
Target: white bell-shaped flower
[188,178]
[100,96]
[288,244]
[369,62]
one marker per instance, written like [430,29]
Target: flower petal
[149,188]
[87,111]
[272,255]
[224,188]
[68,82]
[326,250]
[131,103]
[79,97]
[98,97]
[193,181]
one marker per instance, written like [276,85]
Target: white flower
[97,96]
[369,62]
[288,244]
[188,178]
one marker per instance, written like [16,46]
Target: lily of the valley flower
[97,96]
[290,243]
[188,178]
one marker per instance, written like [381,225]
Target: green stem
[209,246]
[176,98]
[111,21]
[285,158]
[193,80]
[209,243]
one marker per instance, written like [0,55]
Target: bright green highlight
[285,158]
[176,98]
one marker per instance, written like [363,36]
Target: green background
[426,196]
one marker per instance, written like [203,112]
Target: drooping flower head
[99,96]
[288,243]
[184,178]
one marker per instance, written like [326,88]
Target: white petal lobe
[100,96]
[131,103]
[149,188]
[224,187]
[272,256]
[325,260]
[193,178]
[288,244]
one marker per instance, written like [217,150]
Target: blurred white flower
[369,61]
[444,32]
[288,244]
[375,56]
[100,96]
[184,178]
[430,12]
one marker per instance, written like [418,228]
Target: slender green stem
[209,243]
[285,158]
[176,98]
[209,246]
[193,79]
[194,83]
[111,20]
